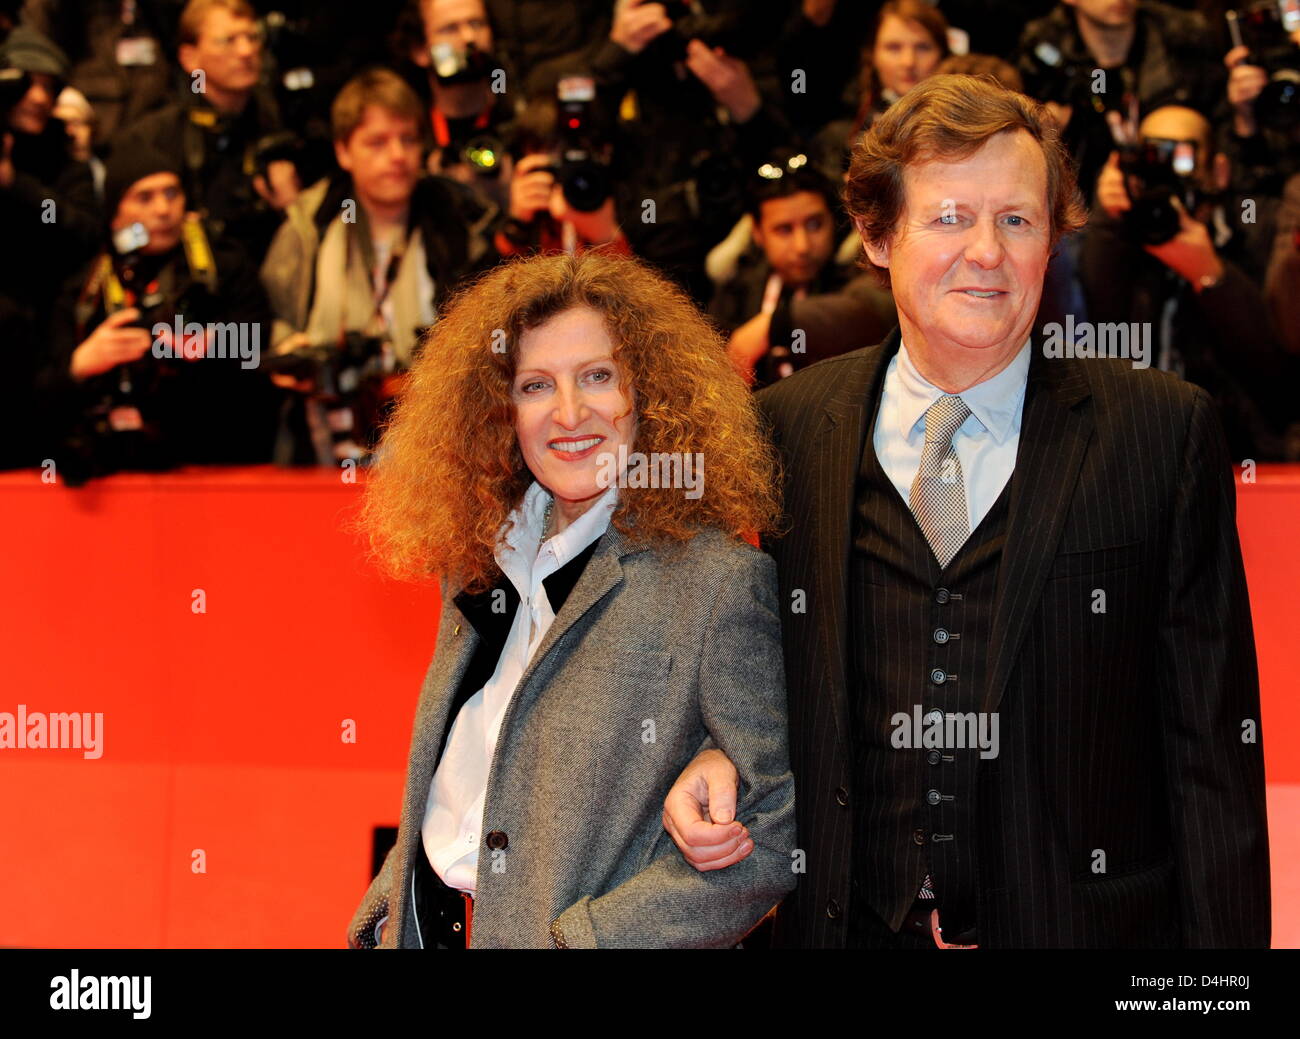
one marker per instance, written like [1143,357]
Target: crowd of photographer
[227,226]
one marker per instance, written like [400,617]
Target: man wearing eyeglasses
[224,125]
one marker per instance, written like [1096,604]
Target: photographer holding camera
[357,270]
[155,347]
[561,194]
[1088,58]
[453,43]
[1262,137]
[679,101]
[225,132]
[1161,250]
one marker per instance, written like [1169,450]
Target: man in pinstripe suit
[986,540]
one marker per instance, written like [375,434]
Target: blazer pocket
[631,664]
[1096,560]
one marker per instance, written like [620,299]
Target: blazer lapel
[837,453]
[602,574]
[1054,437]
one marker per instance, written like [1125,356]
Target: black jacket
[1122,481]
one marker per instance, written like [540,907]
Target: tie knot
[944,417]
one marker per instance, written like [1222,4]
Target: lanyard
[358,235]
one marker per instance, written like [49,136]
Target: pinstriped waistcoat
[922,634]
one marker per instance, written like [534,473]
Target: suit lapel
[1054,436]
[837,448]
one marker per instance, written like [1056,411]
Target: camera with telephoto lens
[483,155]
[347,378]
[579,164]
[1265,29]
[1156,171]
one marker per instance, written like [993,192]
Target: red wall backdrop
[222,731]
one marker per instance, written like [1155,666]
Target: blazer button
[497,840]
[833,909]
[842,797]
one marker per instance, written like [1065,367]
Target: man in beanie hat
[50,221]
[155,347]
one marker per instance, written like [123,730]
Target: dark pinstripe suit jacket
[1126,732]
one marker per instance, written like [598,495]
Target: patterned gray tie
[938,498]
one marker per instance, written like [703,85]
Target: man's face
[383,156]
[969,253]
[458,22]
[32,113]
[158,202]
[1109,14]
[796,234]
[904,54]
[229,51]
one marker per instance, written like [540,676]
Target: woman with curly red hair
[576,459]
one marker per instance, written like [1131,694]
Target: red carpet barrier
[257,681]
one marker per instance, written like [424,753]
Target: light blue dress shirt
[985,443]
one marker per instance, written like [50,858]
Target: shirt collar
[995,403]
[521,539]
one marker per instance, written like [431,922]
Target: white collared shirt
[985,443]
[453,813]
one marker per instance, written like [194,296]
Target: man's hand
[111,344]
[1190,252]
[1112,195]
[530,187]
[748,344]
[636,23]
[287,345]
[727,78]
[1244,85]
[713,841]
[594,228]
[281,186]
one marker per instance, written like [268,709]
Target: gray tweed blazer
[687,639]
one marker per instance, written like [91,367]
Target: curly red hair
[449,469]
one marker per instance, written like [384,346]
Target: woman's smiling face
[573,406]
